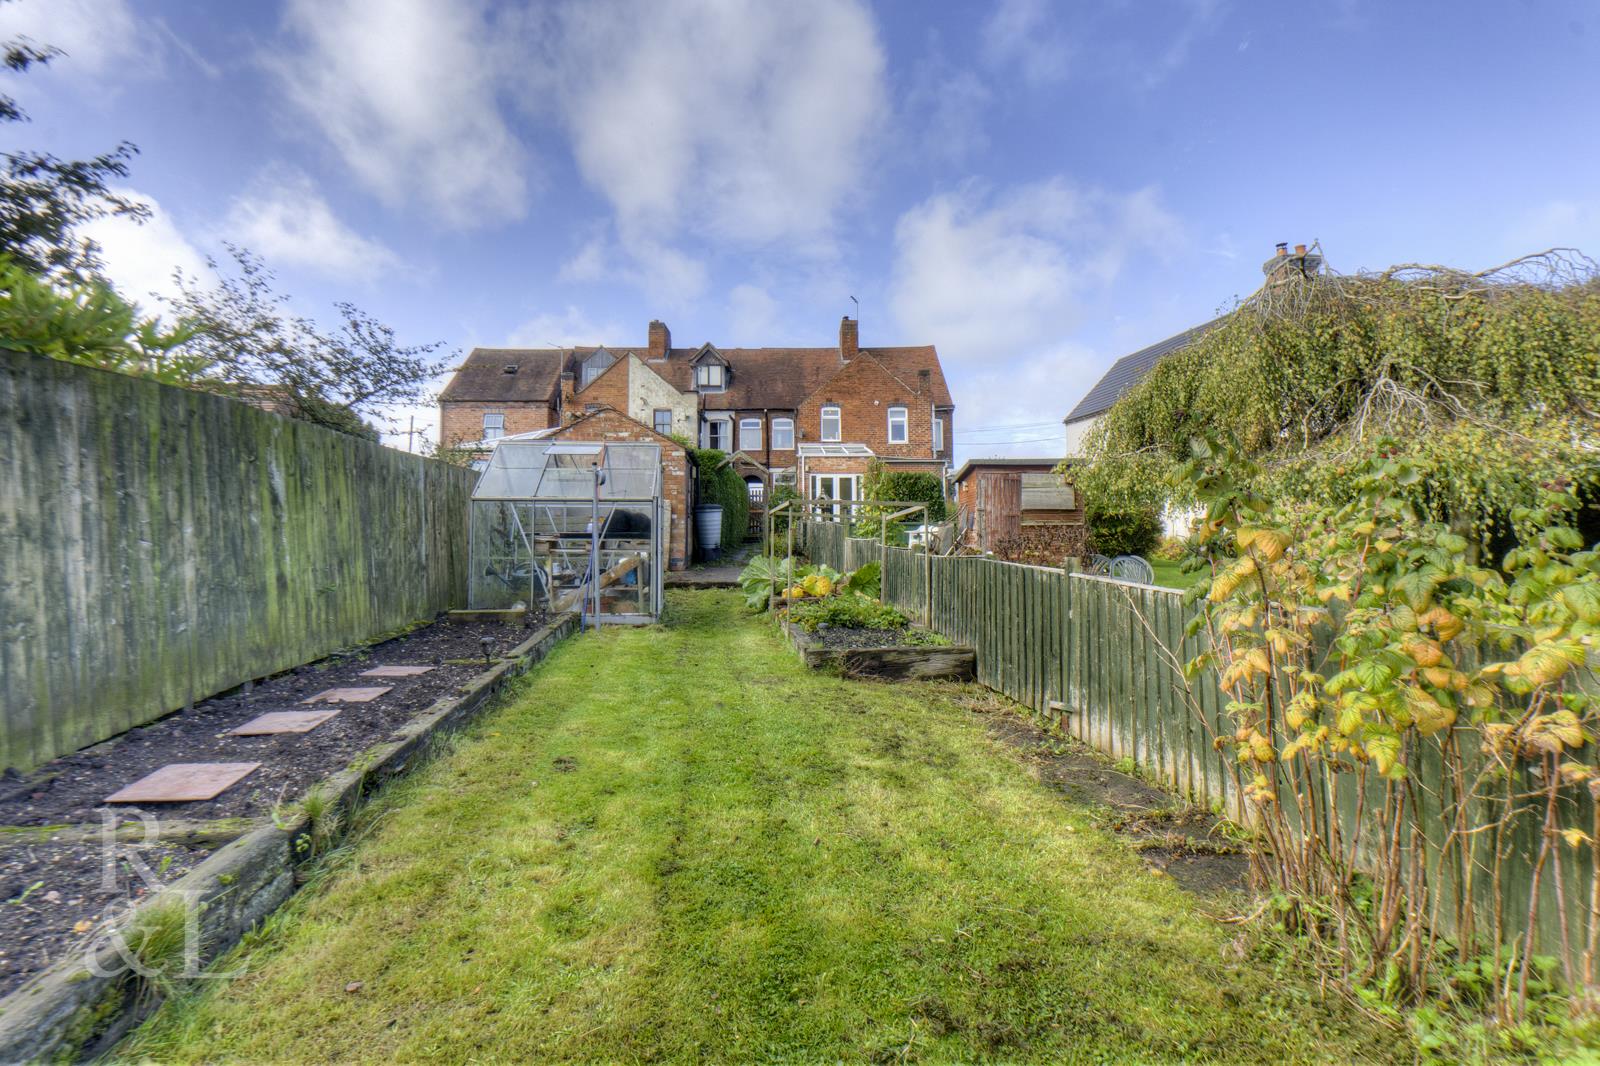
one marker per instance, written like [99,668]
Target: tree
[245,332]
[44,200]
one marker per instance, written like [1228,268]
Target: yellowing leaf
[1553,732]
[1574,837]
[1429,714]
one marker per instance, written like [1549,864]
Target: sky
[1036,188]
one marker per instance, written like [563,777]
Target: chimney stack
[660,339]
[849,339]
[568,390]
[1283,266]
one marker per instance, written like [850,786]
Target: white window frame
[710,376]
[900,414]
[727,428]
[836,482]
[838,423]
[751,426]
[655,420]
[783,431]
[498,430]
[938,433]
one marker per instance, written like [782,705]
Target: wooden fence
[1104,659]
[158,545]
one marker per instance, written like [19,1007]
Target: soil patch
[72,788]
[908,637]
[56,897]
[1185,842]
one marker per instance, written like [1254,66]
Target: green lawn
[676,843]
[1170,574]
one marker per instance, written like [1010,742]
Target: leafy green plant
[158,940]
[1117,531]
[765,577]
[903,487]
[86,322]
[1359,641]
[866,579]
[849,611]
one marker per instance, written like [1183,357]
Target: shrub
[1170,549]
[850,611]
[719,484]
[1114,531]
[900,487]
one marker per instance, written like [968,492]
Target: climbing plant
[1490,381]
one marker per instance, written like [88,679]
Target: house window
[831,427]
[749,434]
[598,363]
[782,434]
[708,376]
[897,425]
[494,424]
[841,487]
[717,433]
[662,420]
[938,435]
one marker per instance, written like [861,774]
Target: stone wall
[158,545]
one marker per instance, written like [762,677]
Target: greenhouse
[570,526]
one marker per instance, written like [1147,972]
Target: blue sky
[1036,188]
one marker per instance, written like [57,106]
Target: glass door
[841,487]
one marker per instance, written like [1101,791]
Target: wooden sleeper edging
[74,1011]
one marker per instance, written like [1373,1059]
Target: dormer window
[709,376]
[595,364]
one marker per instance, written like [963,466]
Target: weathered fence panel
[1105,659]
[158,545]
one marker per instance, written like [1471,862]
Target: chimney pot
[1283,247]
[1299,249]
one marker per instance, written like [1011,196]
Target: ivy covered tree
[1489,380]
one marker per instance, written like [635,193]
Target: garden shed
[570,525]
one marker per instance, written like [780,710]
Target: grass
[677,843]
[1169,573]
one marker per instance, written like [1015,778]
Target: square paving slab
[348,695]
[181,782]
[283,722]
[395,671]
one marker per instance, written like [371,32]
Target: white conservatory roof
[835,451]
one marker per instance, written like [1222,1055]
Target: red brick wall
[610,389]
[610,425]
[864,391]
[460,423]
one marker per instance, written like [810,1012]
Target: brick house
[677,476]
[811,417]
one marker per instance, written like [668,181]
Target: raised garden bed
[54,898]
[907,654]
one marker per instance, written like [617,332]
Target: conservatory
[570,526]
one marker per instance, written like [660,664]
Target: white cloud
[1016,409]
[94,34]
[740,120]
[990,278]
[565,328]
[405,91]
[285,218]
[1020,36]
[139,258]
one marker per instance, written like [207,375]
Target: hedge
[720,484]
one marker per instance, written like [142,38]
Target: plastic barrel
[708,529]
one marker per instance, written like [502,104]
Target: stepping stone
[348,695]
[395,671]
[181,782]
[282,722]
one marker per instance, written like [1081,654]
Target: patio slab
[181,782]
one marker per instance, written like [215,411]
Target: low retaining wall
[82,1005]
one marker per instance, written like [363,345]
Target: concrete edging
[73,1011]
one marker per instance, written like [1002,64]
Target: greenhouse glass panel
[570,526]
